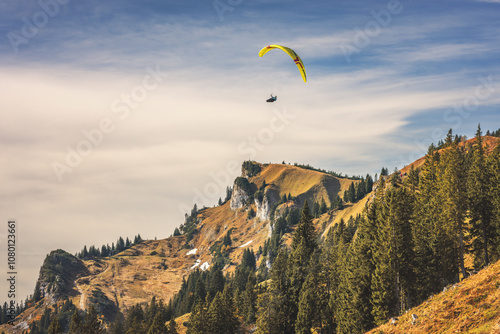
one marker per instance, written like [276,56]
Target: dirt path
[82,296]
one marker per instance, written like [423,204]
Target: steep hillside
[472,306]
[489,143]
[157,267]
[302,183]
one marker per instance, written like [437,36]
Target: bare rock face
[239,197]
[271,197]
[57,275]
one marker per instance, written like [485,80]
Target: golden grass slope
[489,143]
[303,183]
[471,306]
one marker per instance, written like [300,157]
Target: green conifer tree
[274,315]
[157,325]
[494,190]
[75,325]
[55,327]
[135,320]
[453,197]
[91,323]
[313,299]
[428,272]
[392,280]
[37,295]
[199,318]
[480,204]
[172,327]
[250,299]
[303,245]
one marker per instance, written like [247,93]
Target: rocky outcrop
[271,197]
[242,191]
[239,198]
[57,275]
[250,169]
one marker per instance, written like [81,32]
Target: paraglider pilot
[272,98]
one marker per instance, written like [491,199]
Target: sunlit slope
[135,275]
[489,143]
[471,306]
[157,267]
[302,183]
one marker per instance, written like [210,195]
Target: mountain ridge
[159,267]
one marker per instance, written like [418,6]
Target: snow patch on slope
[196,264]
[205,266]
[248,243]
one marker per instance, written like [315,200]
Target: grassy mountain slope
[489,143]
[302,183]
[157,267]
[472,306]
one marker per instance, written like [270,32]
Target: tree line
[107,250]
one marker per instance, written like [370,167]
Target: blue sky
[117,117]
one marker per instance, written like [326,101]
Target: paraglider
[272,98]
[291,53]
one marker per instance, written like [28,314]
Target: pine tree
[227,239]
[3,313]
[37,295]
[413,179]
[84,253]
[494,190]
[368,184]
[274,315]
[355,285]
[91,323]
[303,245]
[480,204]
[200,291]
[172,327]
[55,327]
[150,312]
[231,323]
[117,327]
[383,298]
[304,236]
[158,325]
[392,280]
[135,320]
[452,190]
[199,318]
[313,299]
[250,299]
[316,210]
[323,208]
[351,193]
[216,281]
[428,272]
[75,325]
[229,192]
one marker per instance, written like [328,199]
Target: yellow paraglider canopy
[291,53]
